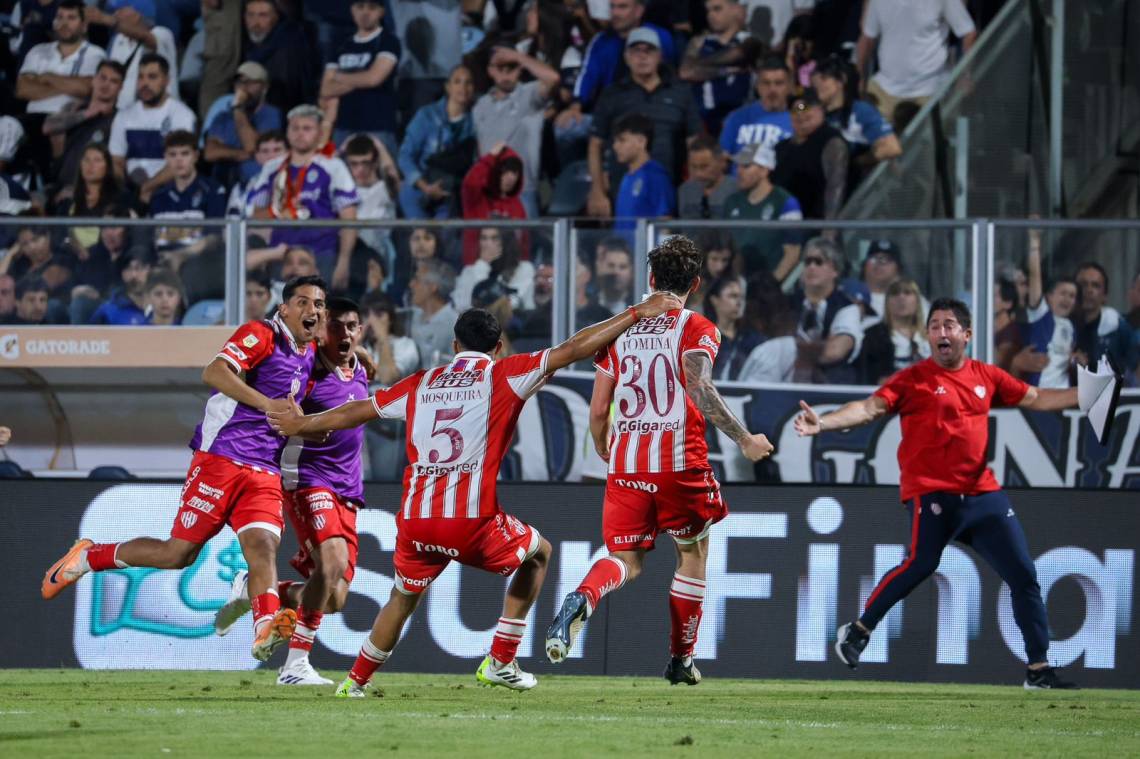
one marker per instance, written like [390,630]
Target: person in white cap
[234,122]
[763,248]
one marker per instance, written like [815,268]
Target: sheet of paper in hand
[1097,395]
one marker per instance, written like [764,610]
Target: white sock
[295,655]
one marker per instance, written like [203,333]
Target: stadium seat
[110,473]
[10,470]
[205,313]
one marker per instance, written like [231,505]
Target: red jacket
[481,198]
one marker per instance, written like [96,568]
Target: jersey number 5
[456,439]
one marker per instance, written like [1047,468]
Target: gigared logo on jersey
[188,519]
[980,391]
[658,325]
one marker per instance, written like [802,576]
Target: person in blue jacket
[646,192]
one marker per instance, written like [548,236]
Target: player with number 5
[460,420]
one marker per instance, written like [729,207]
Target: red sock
[685,597]
[508,635]
[607,575]
[307,624]
[283,591]
[265,606]
[368,661]
[101,557]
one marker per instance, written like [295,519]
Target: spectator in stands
[899,339]
[134,34]
[812,163]
[881,267]
[358,89]
[763,248]
[721,260]
[913,51]
[702,195]
[513,113]
[767,120]
[724,306]
[770,314]
[55,75]
[1133,317]
[97,271]
[869,136]
[1007,332]
[377,179]
[646,192]
[1016,276]
[651,91]
[96,192]
[165,301]
[613,265]
[718,90]
[127,304]
[137,132]
[499,258]
[438,148]
[80,124]
[829,332]
[31,300]
[30,254]
[282,47]
[491,190]
[433,316]
[394,354]
[258,295]
[308,185]
[187,197]
[606,62]
[7,298]
[799,50]
[222,34]
[231,135]
[1049,328]
[270,145]
[1101,330]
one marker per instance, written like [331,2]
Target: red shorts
[639,506]
[317,515]
[424,547]
[220,492]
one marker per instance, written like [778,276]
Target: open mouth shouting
[309,323]
[944,347]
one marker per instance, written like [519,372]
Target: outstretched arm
[700,389]
[292,421]
[1038,399]
[586,342]
[851,414]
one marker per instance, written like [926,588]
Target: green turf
[81,715]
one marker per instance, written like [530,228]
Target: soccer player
[944,402]
[658,376]
[324,486]
[234,477]
[461,418]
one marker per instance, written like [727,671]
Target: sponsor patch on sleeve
[237,352]
[249,341]
[708,342]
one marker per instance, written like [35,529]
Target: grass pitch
[71,713]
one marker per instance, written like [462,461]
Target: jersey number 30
[632,370]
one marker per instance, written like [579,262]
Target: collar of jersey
[280,325]
[470,354]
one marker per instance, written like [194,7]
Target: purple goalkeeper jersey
[335,463]
[275,366]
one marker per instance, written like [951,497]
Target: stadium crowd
[760,110]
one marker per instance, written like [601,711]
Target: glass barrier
[112,272]
[840,306]
[1065,293]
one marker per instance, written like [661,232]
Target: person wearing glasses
[829,333]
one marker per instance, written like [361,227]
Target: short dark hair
[675,263]
[377,302]
[31,284]
[296,283]
[260,277]
[635,123]
[115,66]
[74,5]
[1007,291]
[180,138]
[161,275]
[271,135]
[477,329]
[1063,280]
[156,59]
[960,309]
[615,244]
[362,144]
[338,304]
[1095,267]
[772,63]
[706,142]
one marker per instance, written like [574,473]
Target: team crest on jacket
[979,391]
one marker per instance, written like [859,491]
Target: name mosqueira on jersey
[455,396]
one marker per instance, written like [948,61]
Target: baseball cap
[758,154]
[884,246]
[643,35]
[808,98]
[856,290]
[253,70]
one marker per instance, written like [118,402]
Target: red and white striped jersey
[461,419]
[655,427]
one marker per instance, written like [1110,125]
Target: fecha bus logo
[149,618]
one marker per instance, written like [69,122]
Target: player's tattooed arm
[699,386]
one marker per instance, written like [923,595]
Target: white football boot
[301,672]
[509,675]
[237,605]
